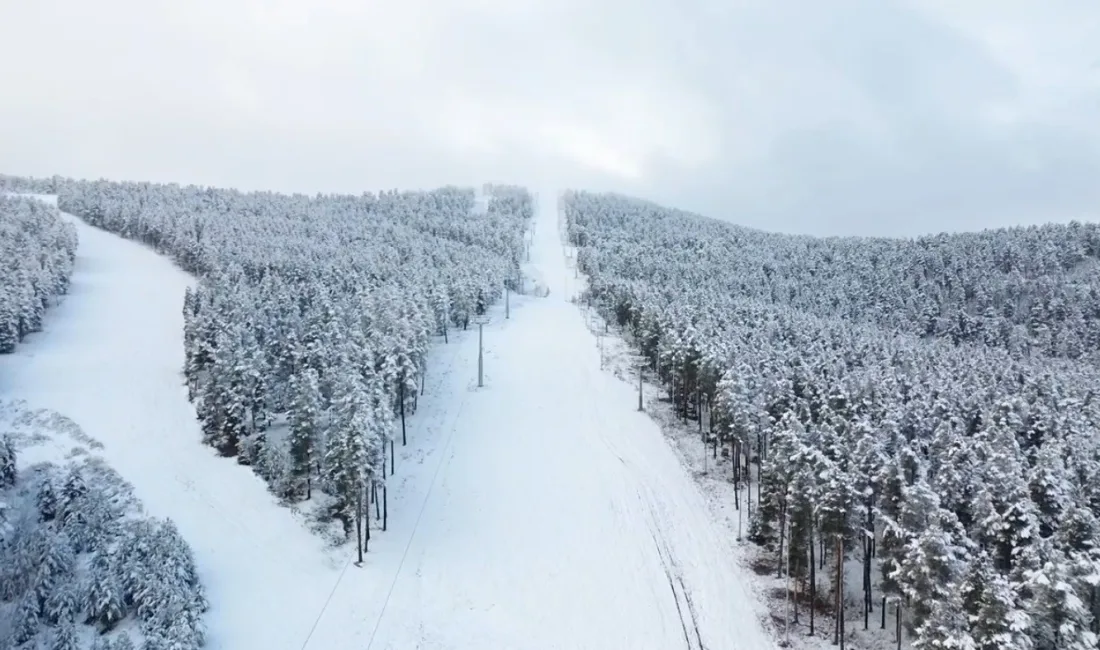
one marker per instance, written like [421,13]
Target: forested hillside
[1029,290]
[305,338]
[927,405]
[80,563]
[37,250]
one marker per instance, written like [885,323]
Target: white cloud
[839,116]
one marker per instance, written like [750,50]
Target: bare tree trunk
[359,523]
[898,623]
[366,531]
[813,582]
[840,583]
[748,487]
[736,458]
[309,480]
[404,440]
[868,550]
[699,413]
[782,538]
[837,603]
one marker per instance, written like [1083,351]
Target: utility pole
[507,309]
[735,467]
[641,369]
[787,631]
[481,321]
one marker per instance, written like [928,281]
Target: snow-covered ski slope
[541,511]
[555,515]
[110,358]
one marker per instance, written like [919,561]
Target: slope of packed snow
[109,358]
[552,516]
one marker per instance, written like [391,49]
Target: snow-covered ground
[109,359]
[555,516]
[713,474]
[540,511]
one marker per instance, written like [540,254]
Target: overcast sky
[815,116]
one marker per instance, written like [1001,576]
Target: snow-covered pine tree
[37,248]
[25,626]
[1061,618]
[7,462]
[304,430]
[46,498]
[55,573]
[64,636]
[346,469]
[104,600]
[934,562]
[996,619]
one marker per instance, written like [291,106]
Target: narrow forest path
[110,358]
[550,515]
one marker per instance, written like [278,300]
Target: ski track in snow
[540,511]
[553,516]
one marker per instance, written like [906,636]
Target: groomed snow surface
[540,511]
